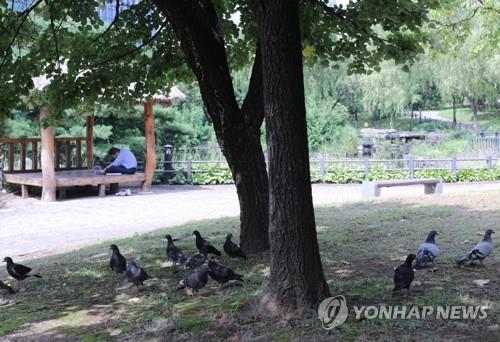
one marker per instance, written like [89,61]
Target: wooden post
[67,153]
[24,191]
[23,156]
[90,141]
[149,132]
[411,166]
[48,166]
[489,162]
[454,166]
[78,154]
[10,156]
[34,151]
[366,162]
[190,170]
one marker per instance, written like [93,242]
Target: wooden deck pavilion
[62,164]
[69,178]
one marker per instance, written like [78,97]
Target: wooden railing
[18,150]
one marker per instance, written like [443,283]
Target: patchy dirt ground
[361,243]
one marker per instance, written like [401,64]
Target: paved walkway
[434,115]
[30,228]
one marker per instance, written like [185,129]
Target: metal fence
[484,142]
[409,165]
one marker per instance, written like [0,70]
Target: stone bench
[371,189]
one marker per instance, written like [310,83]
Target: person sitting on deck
[123,161]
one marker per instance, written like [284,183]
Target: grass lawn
[487,119]
[361,243]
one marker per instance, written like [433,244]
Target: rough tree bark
[237,129]
[297,279]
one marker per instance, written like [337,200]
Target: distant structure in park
[107,13]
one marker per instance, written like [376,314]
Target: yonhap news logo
[333,312]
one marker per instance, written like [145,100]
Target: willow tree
[466,43]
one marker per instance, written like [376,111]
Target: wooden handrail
[61,144]
[27,140]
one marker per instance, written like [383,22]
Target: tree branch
[130,52]
[115,20]
[54,34]
[464,19]
[24,15]
[333,12]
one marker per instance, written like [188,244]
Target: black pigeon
[222,274]
[195,260]
[4,288]
[404,274]
[136,274]
[200,242]
[173,252]
[18,271]
[232,249]
[195,280]
[117,263]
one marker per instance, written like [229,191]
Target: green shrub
[315,177]
[179,178]
[212,174]
[343,177]
[221,174]
[445,175]
[482,175]
[387,175]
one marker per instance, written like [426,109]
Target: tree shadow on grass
[361,243]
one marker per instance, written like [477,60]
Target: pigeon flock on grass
[196,263]
[201,270]
[427,253]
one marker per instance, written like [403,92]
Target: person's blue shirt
[126,159]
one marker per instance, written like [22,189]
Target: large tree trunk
[297,279]
[237,129]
